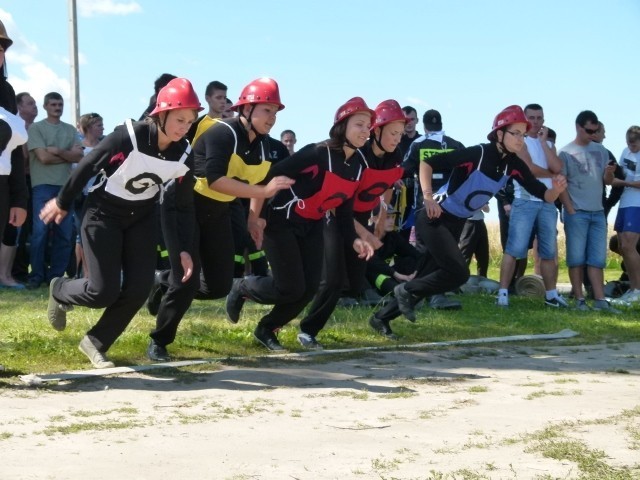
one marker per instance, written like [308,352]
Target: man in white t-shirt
[532,215]
[628,219]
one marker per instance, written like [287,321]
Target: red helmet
[178,93]
[351,107]
[262,90]
[387,112]
[509,116]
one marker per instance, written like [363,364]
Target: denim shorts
[528,216]
[586,234]
[628,220]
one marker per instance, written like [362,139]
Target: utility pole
[73,63]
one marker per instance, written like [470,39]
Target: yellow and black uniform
[379,271]
[221,150]
[248,258]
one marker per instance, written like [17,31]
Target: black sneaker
[267,338]
[235,301]
[406,302]
[155,294]
[556,302]
[157,353]
[382,327]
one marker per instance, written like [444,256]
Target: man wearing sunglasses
[585,165]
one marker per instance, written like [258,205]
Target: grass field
[29,345]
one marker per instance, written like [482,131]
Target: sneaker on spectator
[442,302]
[502,300]
[557,302]
[626,299]
[581,304]
[308,341]
[603,306]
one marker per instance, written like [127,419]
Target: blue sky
[467,59]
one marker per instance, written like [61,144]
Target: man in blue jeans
[585,164]
[530,214]
[53,148]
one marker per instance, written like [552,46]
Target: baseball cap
[432,120]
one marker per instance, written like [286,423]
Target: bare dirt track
[465,412]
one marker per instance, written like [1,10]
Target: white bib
[18,137]
[141,176]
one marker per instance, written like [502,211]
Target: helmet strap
[248,119]
[349,144]
[378,140]
[162,124]
[503,147]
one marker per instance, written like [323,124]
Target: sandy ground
[465,412]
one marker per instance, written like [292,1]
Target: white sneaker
[502,300]
[97,358]
[629,297]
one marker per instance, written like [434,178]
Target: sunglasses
[591,131]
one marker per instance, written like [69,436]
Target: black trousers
[121,256]
[340,263]
[294,251]
[5,206]
[442,267]
[212,268]
[244,244]
[474,240]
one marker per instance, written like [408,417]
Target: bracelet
[427,192]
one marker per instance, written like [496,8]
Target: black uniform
[294,243]
[119,250]
[442,267]
[213,257]
[340,260]
[423,148]
[394,248]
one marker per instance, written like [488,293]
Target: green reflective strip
[256,255]
[380,279]
[426,153]
[239,259]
